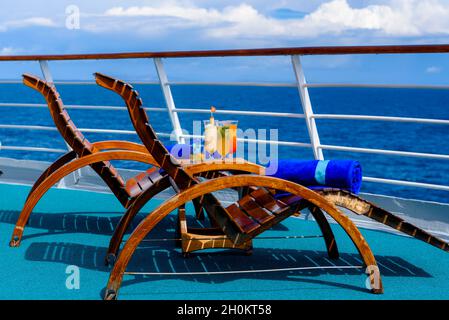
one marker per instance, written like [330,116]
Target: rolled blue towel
[315,174]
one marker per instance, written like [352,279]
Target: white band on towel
[320,171]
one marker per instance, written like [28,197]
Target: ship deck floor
[72,227]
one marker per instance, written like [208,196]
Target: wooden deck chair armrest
[120,145]
[125,155]
[247,167]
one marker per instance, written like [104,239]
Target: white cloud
[433,69]
[28,22]
[7,51]
[396,18]
[199,15]
[400,18]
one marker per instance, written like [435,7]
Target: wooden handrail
[333,50]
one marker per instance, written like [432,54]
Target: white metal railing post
[170,103]
[307,107]
[49,78]
[46,71]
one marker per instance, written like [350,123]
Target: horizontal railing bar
[249,113]
[367,85]
[237,84]
[180,110]
[131,132]
[407,183]
[10,82]
[284,143]
[84,107]
[378,118]
[281,143]
[386,152]
[330,50]
[27,127]
[22,105]
[79,107]
[114,131]
[92,130]
[34,149]
[238,112]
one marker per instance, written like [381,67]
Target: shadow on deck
[102,223]
[163,256]
[156,258]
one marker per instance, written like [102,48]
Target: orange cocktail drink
[226,138]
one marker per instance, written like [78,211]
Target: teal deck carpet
[72,228]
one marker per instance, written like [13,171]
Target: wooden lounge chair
[194,239]
[238,223]
[98,155]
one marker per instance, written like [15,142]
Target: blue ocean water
[424,103]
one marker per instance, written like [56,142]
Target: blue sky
[123,26]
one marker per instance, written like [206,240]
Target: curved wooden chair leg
[326,230]
[127,218]
[360,206]
[60,173]
[64,159]
[142,230]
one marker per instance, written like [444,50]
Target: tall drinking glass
[227,138]
[210,138]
